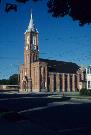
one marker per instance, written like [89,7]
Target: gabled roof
[60,66]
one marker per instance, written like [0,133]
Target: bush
[89,92]
[83,92]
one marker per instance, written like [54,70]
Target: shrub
[83,92]
[89,92]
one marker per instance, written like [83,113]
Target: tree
[77,9]
[13,80]
[4,82]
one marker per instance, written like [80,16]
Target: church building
[44,75]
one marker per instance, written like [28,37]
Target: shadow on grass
[28,103]
[10,116]
[64,98]
[11,113]
[14,117]
[67,116]
[3,110]
[14,95]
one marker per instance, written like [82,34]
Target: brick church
[44,75]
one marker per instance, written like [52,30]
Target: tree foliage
[4,82]
[85,92]
[13,80]
[22,1]
[77,9]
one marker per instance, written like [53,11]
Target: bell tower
[31,55]
[31,51]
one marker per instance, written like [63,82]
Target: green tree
[13,80]
[77,9]
[4,82]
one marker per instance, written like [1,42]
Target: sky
[59,38]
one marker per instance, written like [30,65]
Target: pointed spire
[31,14]
[31,26]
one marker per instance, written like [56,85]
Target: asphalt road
[50,116]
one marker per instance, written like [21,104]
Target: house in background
[88,77]
[44,75]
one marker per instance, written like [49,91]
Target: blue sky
[59,38]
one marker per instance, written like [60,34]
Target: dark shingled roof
[60,66]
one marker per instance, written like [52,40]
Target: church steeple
[31,26]
[31,53]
